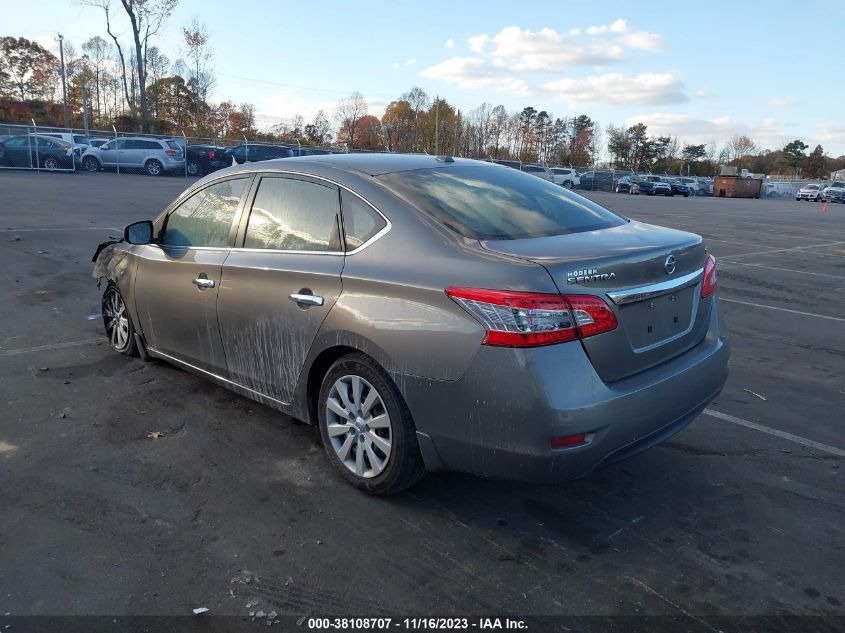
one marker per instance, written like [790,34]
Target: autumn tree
[349,112]
[739,147]
[199,53]
[26,68]
[398,126]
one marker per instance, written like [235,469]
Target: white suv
[155,156]
[566,177]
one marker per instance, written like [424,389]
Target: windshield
[488,203]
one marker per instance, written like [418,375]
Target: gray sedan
[426,313]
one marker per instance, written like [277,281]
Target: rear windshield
[173,145]
[489,203]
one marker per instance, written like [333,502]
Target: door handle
[311,300]
[202,282]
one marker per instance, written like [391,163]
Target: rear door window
[294,215]
[487,203]
[205,218]
[360,221]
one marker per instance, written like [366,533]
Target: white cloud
[501,62]
[767,133]
[410,62]
[395,66]
[475,73]
[619,89]
[703,93]
[619,26]
[784,102]
[642,40]
[449,43]
[477,42]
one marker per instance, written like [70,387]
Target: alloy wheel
[153,168]
[51,163]
[193,168]
[358,426]
[116,320]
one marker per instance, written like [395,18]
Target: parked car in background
[204,159]
[693,184]
[566,177]
[679,187]
[652,186]
[705,186]
[540,171]
[256,152]
[623,184]
[513,164]
[97,141]
[310,151]
[576,336]
[155,156]
[835,192]
[37,150]
[811,191]
[597,180]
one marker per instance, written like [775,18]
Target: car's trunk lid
[649,275]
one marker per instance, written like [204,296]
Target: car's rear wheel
[366,427]
[194,168]
[89,163]
[567,184]
[154,168]
[118,323]
[50,163]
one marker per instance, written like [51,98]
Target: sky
[701,72]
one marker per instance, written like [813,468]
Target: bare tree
[200,54]
[146,18]
[98,51]
[741,146]
[349,112]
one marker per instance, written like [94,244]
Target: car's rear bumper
[499,418]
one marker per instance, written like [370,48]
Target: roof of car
[367,164]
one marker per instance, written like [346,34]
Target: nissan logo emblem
[669,265]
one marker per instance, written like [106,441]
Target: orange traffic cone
[825,207]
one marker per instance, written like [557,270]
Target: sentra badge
[588,275]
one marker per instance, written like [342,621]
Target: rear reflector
[708,283]
[569,440]
[525,319]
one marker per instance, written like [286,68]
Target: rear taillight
[211,154]
[708,284]
[525,319]
[170,152]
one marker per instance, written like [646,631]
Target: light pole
[64,81]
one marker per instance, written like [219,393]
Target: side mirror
[139,232]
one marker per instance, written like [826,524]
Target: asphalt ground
[236,509]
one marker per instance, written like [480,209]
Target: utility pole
[85,93]
[437,125]
[64,80]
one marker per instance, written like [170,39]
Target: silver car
[155,156]
[426,313]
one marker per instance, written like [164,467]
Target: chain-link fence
[35,147]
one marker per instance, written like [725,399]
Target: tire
[194,168]
[686,195]
[154,168]
[567,184]
[400,464]
[118,323]
[89,163]
[51,163]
